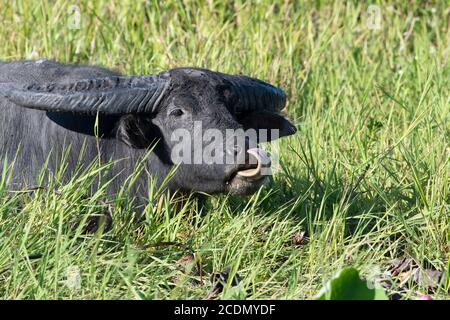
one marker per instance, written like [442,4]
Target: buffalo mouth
[248,178]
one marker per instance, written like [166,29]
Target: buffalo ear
[269,121]
[137,132]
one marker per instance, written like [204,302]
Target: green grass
[366,177]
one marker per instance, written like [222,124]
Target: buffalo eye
[176,113]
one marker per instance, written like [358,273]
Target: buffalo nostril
[234,150]
[235,155]
[237,149]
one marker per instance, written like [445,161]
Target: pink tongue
[263,161]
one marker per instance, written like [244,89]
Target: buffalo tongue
[262,160]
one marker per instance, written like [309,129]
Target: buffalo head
[199,120]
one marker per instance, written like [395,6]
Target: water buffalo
[46,106]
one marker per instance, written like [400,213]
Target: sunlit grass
[366,177]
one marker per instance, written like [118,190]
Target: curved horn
[254,94]
[111,95]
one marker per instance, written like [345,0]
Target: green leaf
[347,285]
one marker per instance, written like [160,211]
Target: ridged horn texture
[254,94]
[111,95]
